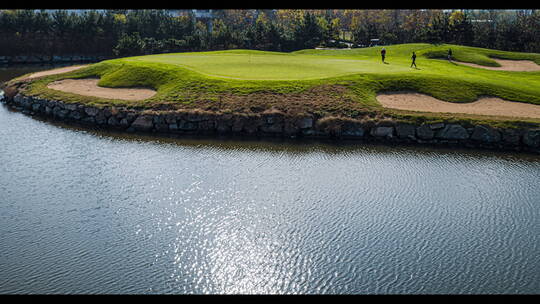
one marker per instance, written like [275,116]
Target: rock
[40,101]
[309,132]
[173,127]
[424,132]
[405,130]
[162,127]
[24,102]
[36,107]
[194,117]
[170,119]
[131,117]
[452,131]
[158,119]
[70,106]
[382,131]
[91,111]
[272,117]
[113,121]
[100,118]
[272,128]
[532,138]
[290,128]
[18,99]
[187,125]
[436,126]
[305,123]
[143,123]
[124,123]
[120,114]
[75,115]
[223,126]
[486,134]
[352,129]
[511,136]
[238,123]
[89,120]
[107,112]
[207,125]
[354,132]
[251,125]
[62,114]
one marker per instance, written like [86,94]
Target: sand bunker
[483,106]
[89,87]
[509,65]
[56,71]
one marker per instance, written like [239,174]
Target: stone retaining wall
[275,123]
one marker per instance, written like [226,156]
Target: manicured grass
[202,79]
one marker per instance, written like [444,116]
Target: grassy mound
[326,82]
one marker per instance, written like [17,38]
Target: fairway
[253,65]
[305,65]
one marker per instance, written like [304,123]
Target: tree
[437,29]
[460,28]
[307,33]
[130,45]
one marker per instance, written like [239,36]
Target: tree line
[139,32]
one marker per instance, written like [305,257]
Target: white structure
[374,42]
[202,14]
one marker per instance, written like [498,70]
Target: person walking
[449,54]
[413,60]
[383,54]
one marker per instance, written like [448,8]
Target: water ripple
[90,212]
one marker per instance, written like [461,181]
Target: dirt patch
[483,106]
[56,71]
[509,65]
[323,99]
[89,87]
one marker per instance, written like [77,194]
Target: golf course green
[341,82]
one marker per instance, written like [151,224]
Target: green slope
[190,78]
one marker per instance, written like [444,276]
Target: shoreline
[273,123]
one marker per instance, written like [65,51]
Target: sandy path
[508,65]
[56,71]
[89,87]
[483,106]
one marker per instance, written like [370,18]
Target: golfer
[449,54]
[383,54]
[413,60]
